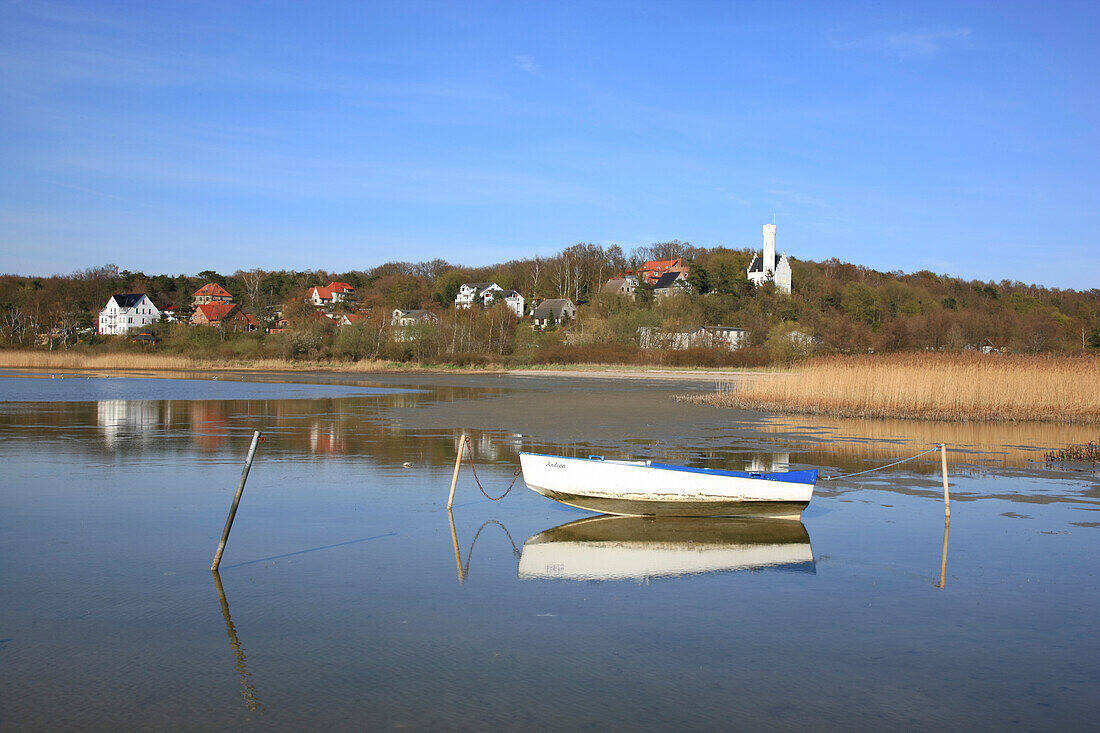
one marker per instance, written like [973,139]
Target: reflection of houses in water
[769,462]
[639,548]
[126,419]
[210,424]
[490,447]
[326,440]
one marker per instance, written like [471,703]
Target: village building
[700,337]
[769,266]
[211,293]
[624,285]
[334,292]
[227,316]
[125,312]
[404,322]
[350,319]
[553,311]
[487,293]
[670,283]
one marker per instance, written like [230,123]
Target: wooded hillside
[845,307]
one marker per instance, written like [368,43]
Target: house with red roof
[211,293]
[334,292]
[220,314]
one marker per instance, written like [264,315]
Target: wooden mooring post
[236,501]
[946,490]
[458,465]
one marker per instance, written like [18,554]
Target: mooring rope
[515,477]
[879,468]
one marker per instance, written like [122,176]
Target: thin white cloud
[527,63]
[907,44]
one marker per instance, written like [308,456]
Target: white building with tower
[770,266]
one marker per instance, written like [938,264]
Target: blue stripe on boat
[807,476]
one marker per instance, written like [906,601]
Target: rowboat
[649,488]
[640,548]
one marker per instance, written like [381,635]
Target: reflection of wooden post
[943,556]
[946,491]
[236,500]
[454,542]
[248,692]
[458,465]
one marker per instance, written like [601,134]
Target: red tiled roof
[322,292]
[659,264]
[341,287]
[215,311]
[213,290]
[356,317]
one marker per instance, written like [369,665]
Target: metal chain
[473,468]
[879,468]
[470,553]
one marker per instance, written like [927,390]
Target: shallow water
[348,599]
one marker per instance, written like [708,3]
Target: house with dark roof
[125,312]
[552,311]
[486,294]
[670,283]
[470,293]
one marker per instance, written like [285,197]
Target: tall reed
[929,386]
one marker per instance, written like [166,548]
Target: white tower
[769,249]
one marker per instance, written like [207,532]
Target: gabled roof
[480,286]
[552,305]
[340,287]
[356,317]
[659,264]
[127,300]
[322,292]
[212,290]
[216,311]
[667,279]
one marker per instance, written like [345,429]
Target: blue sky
[164,137]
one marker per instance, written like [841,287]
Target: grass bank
[925,386]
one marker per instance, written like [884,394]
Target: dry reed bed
[926,386]
[157,362]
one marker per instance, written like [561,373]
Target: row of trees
[846,307]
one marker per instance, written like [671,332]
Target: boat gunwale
[802,476]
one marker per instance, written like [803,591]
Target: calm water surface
[348,599]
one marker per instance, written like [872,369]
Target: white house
[403,322]
[485,293]
[513,300]
[125,312]
[770,266]
[701,337]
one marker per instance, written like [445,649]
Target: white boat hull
[619,548]
[646,488]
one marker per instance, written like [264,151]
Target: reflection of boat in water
[649,488]
[617,548]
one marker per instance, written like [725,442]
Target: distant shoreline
[116,361]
